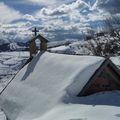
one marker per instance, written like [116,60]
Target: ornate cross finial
[35,31]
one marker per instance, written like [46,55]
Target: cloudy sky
[56,19]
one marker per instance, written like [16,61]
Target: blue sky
[22,6]
[58,7]
[56,18]
[30,6]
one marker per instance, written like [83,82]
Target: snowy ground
[76,48]
[50,103]
[10,63]
[100,106]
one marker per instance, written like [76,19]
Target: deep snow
[10,63]
[116,60]
[45,83]
[46,89]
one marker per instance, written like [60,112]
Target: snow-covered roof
[45,83]
[116,60]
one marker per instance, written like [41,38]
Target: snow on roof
[45,82]
[116,60]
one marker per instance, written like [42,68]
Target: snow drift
[45,83]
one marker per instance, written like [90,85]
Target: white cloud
[16,32]
[74,12]
[61,21]
[8,14]
[29,17]
[71,18]
[49,2]
[64,8]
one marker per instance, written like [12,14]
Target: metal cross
[35,31]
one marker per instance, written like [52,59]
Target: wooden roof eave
[94,76]
[117,70]
[97,73]
[114,67]
[38,37]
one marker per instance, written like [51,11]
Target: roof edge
[94,76]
